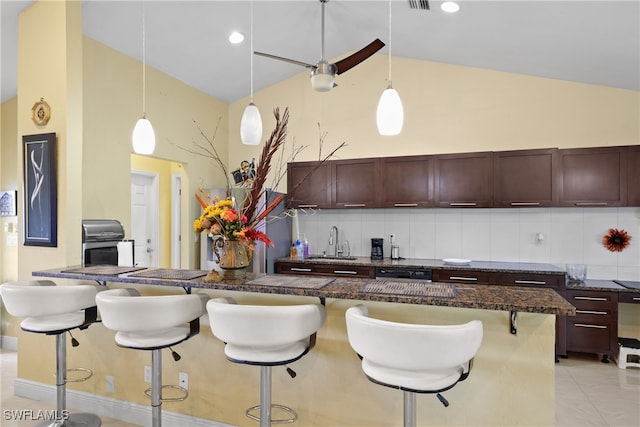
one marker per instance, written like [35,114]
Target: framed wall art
[8,204]
[40,190]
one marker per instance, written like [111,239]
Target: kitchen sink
[332,258]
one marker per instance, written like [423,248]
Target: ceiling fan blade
[356,58]
[280,58]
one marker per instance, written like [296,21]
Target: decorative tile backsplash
[546,235]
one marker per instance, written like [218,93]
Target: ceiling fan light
[251,125]
[390,113]
[322,82]
[144,138]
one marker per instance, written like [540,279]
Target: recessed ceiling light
[236,37]
[450,6]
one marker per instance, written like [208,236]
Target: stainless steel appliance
[412,273]
[377,252]
[100,239]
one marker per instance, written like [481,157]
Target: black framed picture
[40,190]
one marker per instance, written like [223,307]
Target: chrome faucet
[335,243]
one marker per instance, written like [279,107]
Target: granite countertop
[599,285]
[486,297]
[436,264]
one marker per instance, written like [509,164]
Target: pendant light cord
[251,49]
[144,68]
[389,43]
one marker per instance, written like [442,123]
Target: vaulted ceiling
[594,42]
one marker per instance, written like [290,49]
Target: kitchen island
[512,381]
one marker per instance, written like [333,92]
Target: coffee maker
[376,248]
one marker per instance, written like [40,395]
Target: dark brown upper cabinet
[407,181]
[593,176]
[355,183]
[309,185]
[464,180]
[525,178]
[633,176]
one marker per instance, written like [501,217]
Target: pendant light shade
[144,138]
[251,122]
[251,125]
[390,113]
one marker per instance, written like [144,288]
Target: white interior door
[144,218]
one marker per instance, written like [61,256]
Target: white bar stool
[55,310]
[413,358]
[628,347]
[152,323]
[265,336]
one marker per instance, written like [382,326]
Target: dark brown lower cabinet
[594,328]
[335,270]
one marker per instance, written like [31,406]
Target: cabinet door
[464,180]
[355,183]
[309,185]
[407,181]
[593,177]
[633,176]
[525,178]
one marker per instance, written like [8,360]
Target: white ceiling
[595,42]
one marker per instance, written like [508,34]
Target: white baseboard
[8,343]
[107,406]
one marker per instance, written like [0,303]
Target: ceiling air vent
[419,4]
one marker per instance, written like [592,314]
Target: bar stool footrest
[184,391]
[88,374]
[292,419]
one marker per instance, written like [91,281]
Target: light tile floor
[588,393]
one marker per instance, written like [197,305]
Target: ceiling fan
[323,73]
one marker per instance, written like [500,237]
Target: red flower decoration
[616,240]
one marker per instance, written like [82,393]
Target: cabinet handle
[525,203]
[305,270]
[591,298]
[355,205]
[592,204]
[584,325]
[469,279]
[308,206]
[462,204]
[405,205]
[345,272]
[529,282]
[601,313]
[636,299]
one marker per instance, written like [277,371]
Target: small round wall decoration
[616,240]
[41,112]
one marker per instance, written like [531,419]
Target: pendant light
[390,113]
[144,139]
[251,123]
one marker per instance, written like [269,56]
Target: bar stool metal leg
[156,387]
[62,417]
[265,396]
[409,409]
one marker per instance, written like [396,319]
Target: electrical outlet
[110,384]
[392,238]
[183,380]
[147,374]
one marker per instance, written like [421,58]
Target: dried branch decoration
[616,240]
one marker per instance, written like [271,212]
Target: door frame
[176,220]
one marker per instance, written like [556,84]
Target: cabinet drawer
[593,300]
[530,279]
[629,297]
[325,269]
[461,276]
[590,337]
